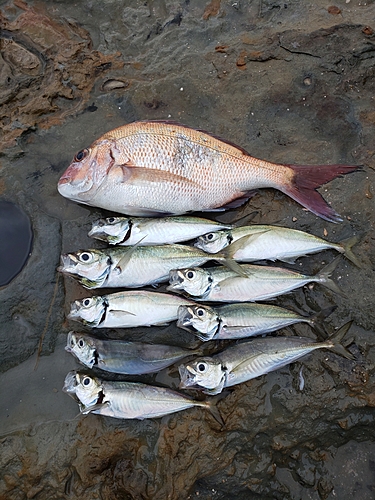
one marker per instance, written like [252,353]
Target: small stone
[367,30]
[334,10]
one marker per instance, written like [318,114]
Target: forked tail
[307,178]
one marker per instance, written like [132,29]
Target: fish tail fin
[305,181]
[324,277]
[337,339]
[316,320]
[347,247]
[211,405]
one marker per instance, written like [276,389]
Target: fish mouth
[64,180]
[69,342]
[70,383]
[74,310]
[186,376]
[68,263]
[175,280]
[184,316]
[95,230]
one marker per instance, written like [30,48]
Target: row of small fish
[236,364]
[133,308]
[232,321]
[255,242]
[125,267]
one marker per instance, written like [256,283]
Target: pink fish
[159,167]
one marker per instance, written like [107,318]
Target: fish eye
[86,302]
[200,312]
[85,257]
[210,236]
[86,381]
[190,275]
[81,155]
[111,220]
[81,343]
[202,367]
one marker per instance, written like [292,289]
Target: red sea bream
[158,168]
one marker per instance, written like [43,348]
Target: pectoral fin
[96,407]
[124,261]
[243,242]
[134,174]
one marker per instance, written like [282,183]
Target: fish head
[113,230]
[88,170]
[82,347]
[192,280]
[213,242]
[202,373]
[86,390]
[201,318]
[90,267]
[90,310]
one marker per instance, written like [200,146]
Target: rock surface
[290,82]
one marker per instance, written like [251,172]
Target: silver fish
[130,267]
[248,360]
[157,168]
[118,356]
[234,321]
[127,231]
[127,309]
[129,399]
[262,282]
[263,242]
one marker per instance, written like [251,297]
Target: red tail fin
[309,177]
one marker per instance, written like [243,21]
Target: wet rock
[45,62]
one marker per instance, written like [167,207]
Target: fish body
[248,360]
[129,267]
[264,242]
[127,309]
[157,168]
[118,356]
[234,321]
[261,283]
[128,400]
[127,231]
